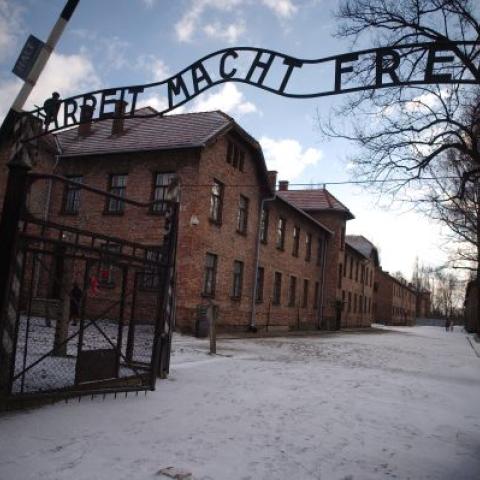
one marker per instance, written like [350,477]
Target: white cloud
[10,26]
[67,74]
[283,8]
[229,99]
[149,3]
[230,33]
[191,21]
[157,102]
[288,157]
[156,67]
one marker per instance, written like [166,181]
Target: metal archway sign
[376,68]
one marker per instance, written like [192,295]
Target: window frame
[259,285]
[160,208]
[280,233]
[216,203]
[207,270]
[242,215]
[116,190]
[237,283]
[306,285]
[75,189]
[296,240]
[264,220]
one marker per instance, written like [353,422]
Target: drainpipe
[253,324]
[322,286]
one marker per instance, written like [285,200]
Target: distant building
[395,300]
[423,305]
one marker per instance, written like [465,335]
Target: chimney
[272,179]
[117,124]
[86,115]
[283,185]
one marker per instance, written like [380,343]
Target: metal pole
[22,96]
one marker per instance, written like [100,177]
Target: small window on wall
[277,289]
[296,241]
[237,279]
[71,202]
[280,241]
[117,186]
[216,201]
[349,304]
[210,275]
[235,156]
[161,183]
[242,216]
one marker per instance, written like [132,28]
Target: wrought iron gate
[87,312]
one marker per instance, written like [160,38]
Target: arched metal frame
[386,63]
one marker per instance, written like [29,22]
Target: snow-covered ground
[389,403]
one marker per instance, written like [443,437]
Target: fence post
[15,194]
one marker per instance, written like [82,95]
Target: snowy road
[402,403]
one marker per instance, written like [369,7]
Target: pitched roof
[319,199]
[146,133]
[364,246]
[303,213]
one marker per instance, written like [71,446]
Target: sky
[112,43]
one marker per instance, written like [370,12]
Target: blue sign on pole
[27,58]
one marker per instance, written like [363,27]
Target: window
[339,276]
[259,287]
[280,243]
[349,305]
[343,299]
[235,156]
[308,247]
[355,303]
[305,294]
[351,268]
[242,218]
[292,291]
[71,199]
[356,271]
[364,304]
[106,274]
[117,186]
[342,239]
[161,182]
[320,251]
[237,279]
[345,267]
[296,241]
[360,304]
[371,277]
[151,276]
[315,295]
[264,225]
[362,277]
[277,289]
[216,199]
[210,277]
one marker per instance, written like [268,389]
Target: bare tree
[406,129]
[460,213]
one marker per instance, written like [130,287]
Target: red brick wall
[273,260]
[336,222]
[356,285]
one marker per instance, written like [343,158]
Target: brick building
[266,258]
[361,259]
[395,300]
